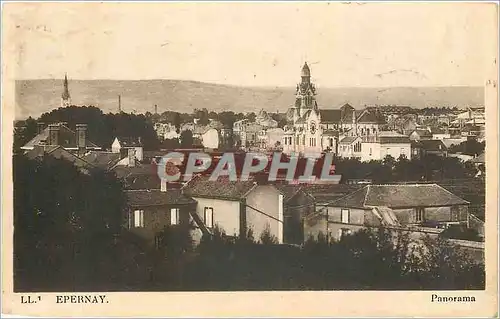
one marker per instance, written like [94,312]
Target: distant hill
[34,97]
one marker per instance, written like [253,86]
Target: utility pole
[119,103]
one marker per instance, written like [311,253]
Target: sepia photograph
[188,147]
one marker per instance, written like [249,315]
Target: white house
[208,136]
[393,144]
[128,144]
[350,147]
[237,206]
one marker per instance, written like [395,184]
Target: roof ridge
[347,196]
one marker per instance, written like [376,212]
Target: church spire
[65,97]
[306,91]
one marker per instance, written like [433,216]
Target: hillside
[34,97]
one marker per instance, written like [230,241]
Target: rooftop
[400,196]
[143,198]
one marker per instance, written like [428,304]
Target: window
[174,216]
[138,218]
[454,214]
[208,217]
[331,141]
[419,214]
[344,216]
[304,140]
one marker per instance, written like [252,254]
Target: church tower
[306,91]
[65,97]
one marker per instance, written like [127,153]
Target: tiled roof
[324,193]
[60,153]
[67,139]
[143,169]
[399,196]
[288,191]
[223,188]
[142,198]
[422,133]
[432,145]
[348,139]
[330,116]
[371,116]
[437,130]
[393,139]
[142,182]
[331,132]
[102,159]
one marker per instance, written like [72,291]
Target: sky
[257,44]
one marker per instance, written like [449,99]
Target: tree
[103,128]
[469,147]
[251,116]
[177,122]
[202,116]
[24,131]
[187,139]
[266,238]
[176,240]
[61,217]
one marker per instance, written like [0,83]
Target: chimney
[163,183]
[40,127]
[81,138]
[131,157]
[54,134]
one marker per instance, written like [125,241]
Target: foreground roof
[400,196]
[102,159]
[223,188]
[155,197]
[67,139]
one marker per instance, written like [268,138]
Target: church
[311,130]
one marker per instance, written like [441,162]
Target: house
[370,122]
[166,130]
[149,211]
[60,152]
[386,143]
[420,134]
[237,206]
[350,147]
[207,136]
[439,134]
[426,147]
[60,134]
[474,115]
[265,120]
[274,137]
[103,159]
[455,140]
[131,150]
[398,206]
